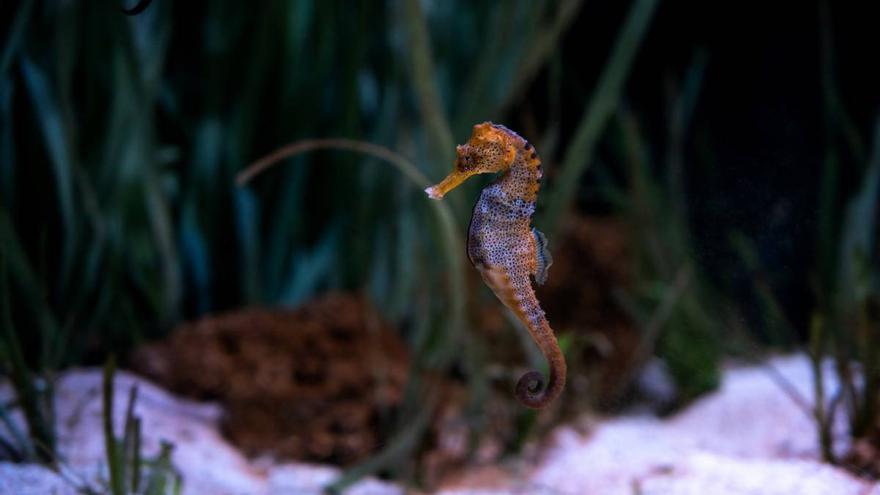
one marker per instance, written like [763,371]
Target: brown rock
[307,384]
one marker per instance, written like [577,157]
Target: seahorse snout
[434,192]
[451,181]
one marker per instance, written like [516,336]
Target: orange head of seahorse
[490,150]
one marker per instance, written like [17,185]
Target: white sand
[746,439]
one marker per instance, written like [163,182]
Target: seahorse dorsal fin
[544,257]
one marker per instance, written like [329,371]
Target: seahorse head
[490,149]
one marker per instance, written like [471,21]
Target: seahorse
[502,244]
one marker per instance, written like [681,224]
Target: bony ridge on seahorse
[504,247]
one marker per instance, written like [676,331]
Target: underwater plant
[843,327]
[130,472]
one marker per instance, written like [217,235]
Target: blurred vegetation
[845,324]
[842,334]
[846,320]
[121,137]
[672,302]
[129,472]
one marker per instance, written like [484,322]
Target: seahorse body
[504,247]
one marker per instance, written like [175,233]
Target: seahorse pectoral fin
[544,258]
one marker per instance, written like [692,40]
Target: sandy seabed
[748,438]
